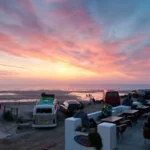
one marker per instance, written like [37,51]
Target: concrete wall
[70,125]
[94,115]
[119,110]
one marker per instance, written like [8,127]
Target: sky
[74,41]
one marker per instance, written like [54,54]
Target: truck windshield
[112,94]
[43,110]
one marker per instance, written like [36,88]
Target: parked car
[69,107]
[145,93]
[111,97]
[134,94]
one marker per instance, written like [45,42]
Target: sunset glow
[75,41]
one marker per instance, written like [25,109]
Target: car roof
[72,102]
[44,106]
[46,100]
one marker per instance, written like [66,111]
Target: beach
[36,139]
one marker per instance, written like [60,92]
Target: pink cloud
[94,59]
[27,17]
[75,19]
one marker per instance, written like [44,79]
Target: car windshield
[73,102]
[74,106]
[43,110]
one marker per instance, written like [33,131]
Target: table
[148,103]
[143,109]
[130,112]
[112,119]
[146,115]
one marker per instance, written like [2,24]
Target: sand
[37,139]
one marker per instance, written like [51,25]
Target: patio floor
[133,139]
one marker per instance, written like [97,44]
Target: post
[11,110]
[108,135]
[70,126]
[4,109]
[17,112]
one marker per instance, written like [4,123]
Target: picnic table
[130,112]
[143,109]
[148,102]
[112,119]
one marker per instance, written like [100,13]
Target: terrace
[131,139]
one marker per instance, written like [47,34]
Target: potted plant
[95,140]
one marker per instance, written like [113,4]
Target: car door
[64,107]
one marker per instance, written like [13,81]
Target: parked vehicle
[144,92]
[134,94]
[69,107]
[111,97]
[147,94]
[45,112]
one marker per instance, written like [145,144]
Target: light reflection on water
[96,95]
[82,95]
[19,101]
[5,94]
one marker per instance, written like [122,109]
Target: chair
[132,118]
[146,134]
[127,122]
[121,129]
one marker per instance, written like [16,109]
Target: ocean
[73,87]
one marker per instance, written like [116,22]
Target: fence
[14,111]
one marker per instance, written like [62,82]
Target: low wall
[94,115]
[116,111]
